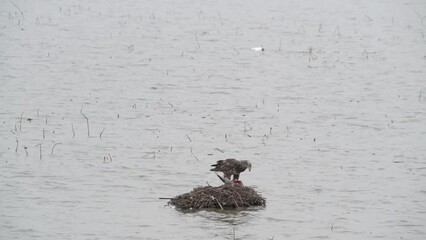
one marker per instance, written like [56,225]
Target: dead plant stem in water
[20,122]
[188,138]
[26,152]
[100,135]
[41,154]
[54,145]
[87,123]
[196,40]
[17,145]
[72,128]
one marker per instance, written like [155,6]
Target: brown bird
[231,167]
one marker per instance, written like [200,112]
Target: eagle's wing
[239,167]
[228,167]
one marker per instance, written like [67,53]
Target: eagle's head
[247,164]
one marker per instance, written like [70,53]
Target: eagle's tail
[223,179]
[217,163]
[214,167]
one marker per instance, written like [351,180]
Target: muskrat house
[227,196]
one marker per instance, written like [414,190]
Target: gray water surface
[332,116]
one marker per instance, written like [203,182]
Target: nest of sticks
[227,196]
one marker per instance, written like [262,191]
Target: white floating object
[258,49]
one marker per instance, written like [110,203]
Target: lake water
[332,116]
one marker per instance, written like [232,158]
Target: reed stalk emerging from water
[54,145]
[220,19]
[196,40]
[87,123]
[188,138]
[100,135]
[17,145]
[26,152]
[72,128]
[41,154]
[20,122]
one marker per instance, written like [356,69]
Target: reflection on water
[331,115]
[228,217]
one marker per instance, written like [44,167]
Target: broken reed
[73,132]
[87,123]
[100,135]
[20,122]
[54,145]
[196,40]
[41,153]
[17,145]
[26,152]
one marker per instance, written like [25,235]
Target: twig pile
[227,196]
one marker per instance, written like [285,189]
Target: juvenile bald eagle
[231,167]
